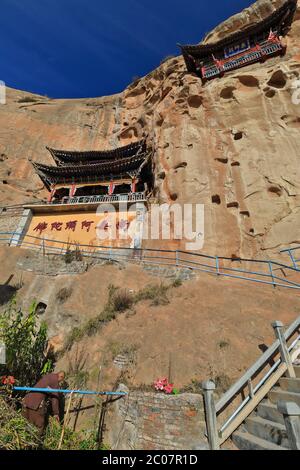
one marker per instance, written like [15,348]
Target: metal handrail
[294,260]
[288,250]
[257,387]
[128,197]
[159,257]
[255,368]
[217,434]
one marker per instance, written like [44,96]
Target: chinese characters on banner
[59,226]
[72,224]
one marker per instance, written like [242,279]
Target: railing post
[284,352]
[217,265]
[291,414]
[211,415]
[271,272]
[293,259]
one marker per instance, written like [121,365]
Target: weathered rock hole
[40,308]
[142,122]
[195,101]
[222,160]
[4,182]
[173,196]
[270,93]
[251,230]
[238,136]
[166,91]
[190,146]
[216,199]
[233,204]
[278,80]
[137,91]
[245,213]
[155,98]
[180,165]
[249,80]
[292,121]
[235,164]
[129,133]
[275,190]
[227,93]
[162,175]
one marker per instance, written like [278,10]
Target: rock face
[231,144]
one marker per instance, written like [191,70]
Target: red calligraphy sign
[86,224]
[71,225]
[41,227]
[57,226]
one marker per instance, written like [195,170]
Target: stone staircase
[264,429]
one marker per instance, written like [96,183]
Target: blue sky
[88,48]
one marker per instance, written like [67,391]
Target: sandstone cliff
[236,137]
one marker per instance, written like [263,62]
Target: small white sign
[2,92]
[296,92]
[2,354]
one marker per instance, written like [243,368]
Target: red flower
[169,388]
[160,384]
[8,380]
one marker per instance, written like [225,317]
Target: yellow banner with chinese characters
[82,228]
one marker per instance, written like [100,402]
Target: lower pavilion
[90,193]
[97,176]
[256,43]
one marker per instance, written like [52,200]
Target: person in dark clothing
[34,403]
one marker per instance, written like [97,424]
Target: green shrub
[177,282]
[156,292]
[16,433]
[72,255]
[122,300]
[71,441]
[27,99]
[26,343]
[117,348]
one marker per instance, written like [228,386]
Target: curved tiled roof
[72,157]
[92,171]
[282,17]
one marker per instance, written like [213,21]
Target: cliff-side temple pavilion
[91,175]
[257,42]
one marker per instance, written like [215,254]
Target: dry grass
[63,294]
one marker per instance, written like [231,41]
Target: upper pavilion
[255,43]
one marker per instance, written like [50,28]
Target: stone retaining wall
[9,223]
[150,420]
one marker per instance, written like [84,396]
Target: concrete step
[246,441]
[268,430]
[268,410]
[290,385]
[277,394]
